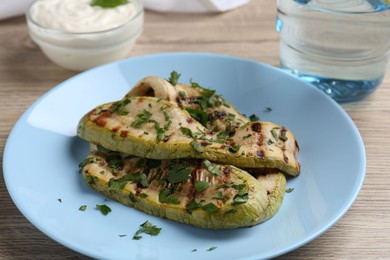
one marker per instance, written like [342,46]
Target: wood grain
[247,32]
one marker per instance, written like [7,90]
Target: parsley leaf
[211,167]
[197,146]
[147,228]
[274,134]
[166,196]
[192,205]
[218,195]
[174,78]
[288,190]
[230,211]
[178,173]
[201,185]
[240,198]
[119,184]
[198,114]
[210,208]
[83,207]
[254,118]
[166,114]
[234,148]
[119,107]
[89,179]
[182,94]
[104,209]
[114,160]
[108,3]
[187,132]
[160,131]
[212,248]
[141,119]
[283,136]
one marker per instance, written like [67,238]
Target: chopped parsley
[187,132]
[247,136]
[108,3]
[83,207]
[178,173]
[210,208]
[274,134]
[218,195]
[160,131]
[192,205]
[212,248]
[143,195]
[141,119]
[174,78]
[197,146]
[254,118]
[182,94]
[166,196]
[240,198]
[288,190]
[283,136]
[114,160]
[198,114]
[208,98]
[201,185]
[242,192]
[132,198]
[119,107]
[166,114]
[89,179]
[104,209]
[147,228]
[211,167]
[234,148]
[230,211]
[137,177]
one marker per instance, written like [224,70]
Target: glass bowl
[83,50]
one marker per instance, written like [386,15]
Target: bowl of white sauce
[81,34]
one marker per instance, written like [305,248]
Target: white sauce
[78,36]
[80,16]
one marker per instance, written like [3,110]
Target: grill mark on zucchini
[256,127]
[101,119]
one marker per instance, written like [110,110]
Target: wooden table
[247,32]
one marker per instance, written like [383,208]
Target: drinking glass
[340,46]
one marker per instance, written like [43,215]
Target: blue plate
[43,152]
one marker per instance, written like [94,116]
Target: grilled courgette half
[152,128]
[190,191]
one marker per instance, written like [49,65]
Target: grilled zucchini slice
[152,128]
[195,192]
